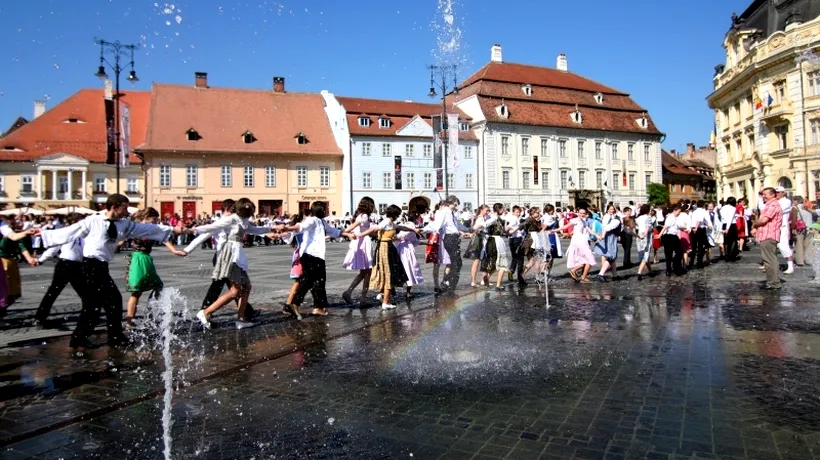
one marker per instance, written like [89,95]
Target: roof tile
[399,113]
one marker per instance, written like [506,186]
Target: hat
[779,189]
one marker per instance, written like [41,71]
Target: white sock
[791,264]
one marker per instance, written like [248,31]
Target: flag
[758,103]
[769,100]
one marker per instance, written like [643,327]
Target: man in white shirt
[701,225]
[450,232]
[728,215]
[513,226]
[785,230]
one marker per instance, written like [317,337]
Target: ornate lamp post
[443,71]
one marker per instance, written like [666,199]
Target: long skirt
[225,267]
[407,254]
[388,271]
[608,247]
[13,287]
[475,247]
[4,287]
[141,274]
[579,254]
[433,247]
[496,255]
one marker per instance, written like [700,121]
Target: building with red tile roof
[548,133]
[205,144]
[58,158]
[685,182]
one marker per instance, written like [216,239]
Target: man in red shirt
[767,233]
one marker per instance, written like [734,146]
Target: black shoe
[640,277]
[49,323]
[251,312]
[499,289]
[80,343]
[602,279]
[668,273]
[521,282]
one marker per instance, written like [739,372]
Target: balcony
[778,112]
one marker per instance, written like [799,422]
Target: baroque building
[767,100]
[548,135]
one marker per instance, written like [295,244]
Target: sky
[663,53]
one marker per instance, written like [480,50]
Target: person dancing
[450,233]
[360,251]
[67,271]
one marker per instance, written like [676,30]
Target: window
[505,179]
[26,183]
[384,122]
[505,145]
[364,121]
[525,146]
[463,126]
[750,141]
[365,149]
[580,150]
[270,176]
[248,138]
[630,152]
[191,176]
[226,176]
[451,180]
[780,91]
[598,155]
[193,135]
[525,180]
[428,181]
[387,150]
[428,150]
[468,181]
[248,177]
[814,84]
[382,208]
[409,150]
[647,180]
[99,183]
[367,180]
[599,179]
[736,111]
[130,184]
[599,98]
[815,131]
[782,133]
[614,181]
[738,149]
[614,152]
[301,176]
[562,149]
[468,152]
[582,180]
[164,175]
[2,183]
[646,157]
[468,206]
[324,176]
[632,181]
[410,179]
[545,179]
[527,90]
[387,180]
[544,148]
[564,179]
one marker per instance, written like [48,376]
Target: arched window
[785,182]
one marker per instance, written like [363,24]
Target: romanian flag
[758,103]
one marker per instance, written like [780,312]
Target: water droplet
[331,420]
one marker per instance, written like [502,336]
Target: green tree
[657,194]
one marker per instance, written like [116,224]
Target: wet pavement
[702,366]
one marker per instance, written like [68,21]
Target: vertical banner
[397,171]
[452,124]
[535,169]
[624,173]
[438,147]
[125,135]
[111,151]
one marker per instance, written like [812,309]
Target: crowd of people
[500,243]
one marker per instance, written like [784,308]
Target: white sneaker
[206,323]
[387,306]
[788,271]
[244,324]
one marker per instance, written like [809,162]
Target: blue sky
[661,52]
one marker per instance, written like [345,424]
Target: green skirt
[141,274]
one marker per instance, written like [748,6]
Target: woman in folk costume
[231,262]
[550,222]
[360,251]
[495,256]
[388,271]
[533,224]
[10,286]
[475,248]
[431,253]
[579,256]
[645,232]
[140,273]
[406,242]
[607,244]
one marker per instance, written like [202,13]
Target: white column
[39,184]
[70,196]
[84,184]
[53,184]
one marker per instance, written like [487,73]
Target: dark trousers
[65,272]
[313,279]
[626,243]
[99,291]
[673,253]
[730,244]
[452,244]
[517,253]
[700,242]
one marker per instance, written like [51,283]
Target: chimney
[278,84]
[673,153]
[201,79]
[561,62]
[495,53]
[690,148]
[109,90]
[39,108]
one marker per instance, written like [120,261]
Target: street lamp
[444,71]
[117,49]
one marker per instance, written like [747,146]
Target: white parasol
[69,209]
[21,211]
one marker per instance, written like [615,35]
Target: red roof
[675,166]
[222,115]
[399,112]
[537,76]
[51,133]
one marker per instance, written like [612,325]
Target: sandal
[573,274]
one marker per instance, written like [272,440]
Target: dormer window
[11,148]
[193,135]
[576,115]
[73,120]
[248,137]
[503,111]
[643,122]
[364,121]
[301,138]
[463,126]
[599,98]
[384,122]
[527,89]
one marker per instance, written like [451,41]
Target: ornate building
[551,136]
[767,100]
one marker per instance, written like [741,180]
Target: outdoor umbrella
[21,211]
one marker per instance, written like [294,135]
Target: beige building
[207,144]
[767,102]
[58,158]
